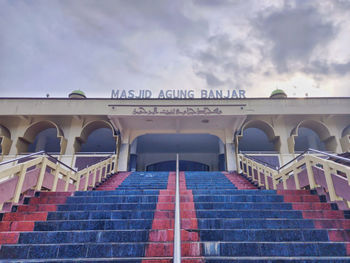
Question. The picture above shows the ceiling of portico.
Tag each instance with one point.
(177, 123)
(177, 143)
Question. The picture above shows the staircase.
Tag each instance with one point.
(238, 225)
(91, 226)
(130, 218)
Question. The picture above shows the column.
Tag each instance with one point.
(133, 156)
(123, 157)
(221, 156)
(124, 151)
(230, 157)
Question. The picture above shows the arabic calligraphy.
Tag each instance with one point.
(176, 111)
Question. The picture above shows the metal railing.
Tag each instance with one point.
(50, 175)
(177, 228)
(258, 160)
(308, 151)
(36, 154)
(307, 170)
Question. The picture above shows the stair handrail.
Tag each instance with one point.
(22, 157)
(64, 176)
(335, 174)
(310, 150)
(51, 156)
(35, 154)
(104, 163)
(258, 161)
(267, 171)
(177, 228)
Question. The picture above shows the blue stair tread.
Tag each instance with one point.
(111, 199)
(93, 225)
(94, 260)
(133, 235)
(102, 236)
(263, 235)
(239, 198)
(117, 192)
(108, 214)
(248, 214)
(101, 207)
(234, 192)
(91, 250)
(253, 223)
(287, 249)
(242, 205)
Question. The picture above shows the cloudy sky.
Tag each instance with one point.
(53, 47)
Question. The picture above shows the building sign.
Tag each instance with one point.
(187, 111)
(178, 94)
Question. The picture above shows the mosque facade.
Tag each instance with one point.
(209, 133)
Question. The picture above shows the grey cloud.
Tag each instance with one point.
(317, 67)
(219, 47)
(64, 45)
(211, 79)
(227, 57)
(294, 32)
(342, 4)
(213, 3)
(325, 68)
(60, 45)
(132, 16)
(207, 57)
(341, 68)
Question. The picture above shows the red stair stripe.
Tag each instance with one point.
(239, 181)
(190, 246)
(113, 182)
(162, 235)
(9, 238)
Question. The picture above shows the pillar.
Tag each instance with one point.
(41, 143)
(124, 151)
(221, 157)
(133, 156)
(230, 157)
(123, 157)
(71, 132)
(16, 132)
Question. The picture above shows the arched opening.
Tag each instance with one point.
(43, 135)
(345, 139)
(100, 140)
(258, 136)
(255, 140)
(158, 152)
(5, 140)
(45, 140)
(258, 139)
(346, 131)
(312, 134)
(96, 137)
(306, 139)
(183, 166)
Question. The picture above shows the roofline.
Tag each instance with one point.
(170, 99)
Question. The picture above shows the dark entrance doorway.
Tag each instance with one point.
(183, 166)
